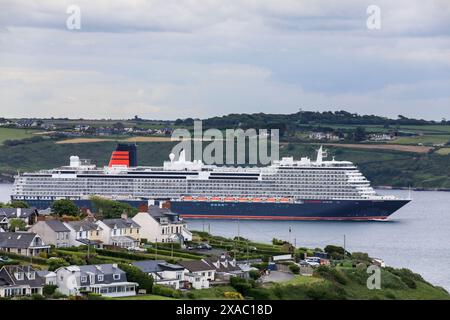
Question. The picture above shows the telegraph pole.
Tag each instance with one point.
(344, 248)
(156, 247)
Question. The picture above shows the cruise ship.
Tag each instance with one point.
(287, 189)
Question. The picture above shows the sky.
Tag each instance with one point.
(169, 59)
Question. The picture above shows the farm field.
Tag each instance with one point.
(425, 139)
(14, 134)
(394, 147)
(443, 151)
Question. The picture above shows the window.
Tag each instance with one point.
(100, 277)
(83, 279)
(19, 275)
(116, 276)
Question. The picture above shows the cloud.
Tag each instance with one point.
(173, 59)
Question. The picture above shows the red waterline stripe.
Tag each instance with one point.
(206, 216)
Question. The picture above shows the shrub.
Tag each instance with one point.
(294, 268)
(37, 296)
(49, 289)
(134, 274)
(254, 274)
(54, 264)
(331, 274)
(261, 266)
(242, 286)
(166, 291)
(233, 295)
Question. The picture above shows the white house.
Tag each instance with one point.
(123, 232)
(105, 279)
(162, 225)
(84, 232)
(48, 276)
(198, 273)
(163, 273)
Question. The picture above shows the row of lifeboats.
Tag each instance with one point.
(237, 199)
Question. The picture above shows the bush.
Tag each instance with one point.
(242, 286)
(37, 296)
(166, 291)
(54, 264)
(261, 266)
(331, 274)
(134, 274)
(49, 289)
(294, 268)
(233, 295)
(254, 274)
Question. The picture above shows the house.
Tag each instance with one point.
(24, 243)
(198, 273)
(53, 232)
(16, 280)
(123, 232)
(323, 136)
(105, 279)
(163, 273)
(28, 215)
(162, 225)
(225, 267)
(48, 276)
(84, 232)
(381, 137)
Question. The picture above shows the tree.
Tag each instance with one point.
(19, 204)
(134, 274)
(17, 224)
(360, 134)
(109, 209)
(65, 207)
(56, 263)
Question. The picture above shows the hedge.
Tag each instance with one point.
(16, 256)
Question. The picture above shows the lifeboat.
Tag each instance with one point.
(216, 199)
(271, 200)
(256, 200)
(202, 199)
(229, 199)
(243, 199)
(187, 198)
(284, 200)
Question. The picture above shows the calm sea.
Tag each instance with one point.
(416, 237)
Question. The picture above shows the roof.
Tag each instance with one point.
(56, 225)
(84, 224)
(224, 264)
(11, 213)
(196, 265)
(46, 273)
(8, 276)
(121, 223)
(152, 266)
(107, 270)
(21, 240)
(157, 213)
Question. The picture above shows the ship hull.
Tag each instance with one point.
(308, 210)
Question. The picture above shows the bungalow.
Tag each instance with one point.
(123, 232)
(28, 215)
(198, 273)
(164, 273)
(25, 243)
(16, 280)
(84, 232)
(53, 232)
(105, 279)
(162, 225)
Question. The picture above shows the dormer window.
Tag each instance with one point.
(100, 277)
(19, 275)
(116, 276)
(31, 275)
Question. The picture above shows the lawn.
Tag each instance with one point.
(302, 280)
(213, 293)
(14, 134)
(443, 151)
(425, 139)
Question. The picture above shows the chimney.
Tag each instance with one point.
(143, 207)
(124, 215)
(18, 212)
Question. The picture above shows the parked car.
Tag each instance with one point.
(4, 259)
(204, 246)
(313, 262)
